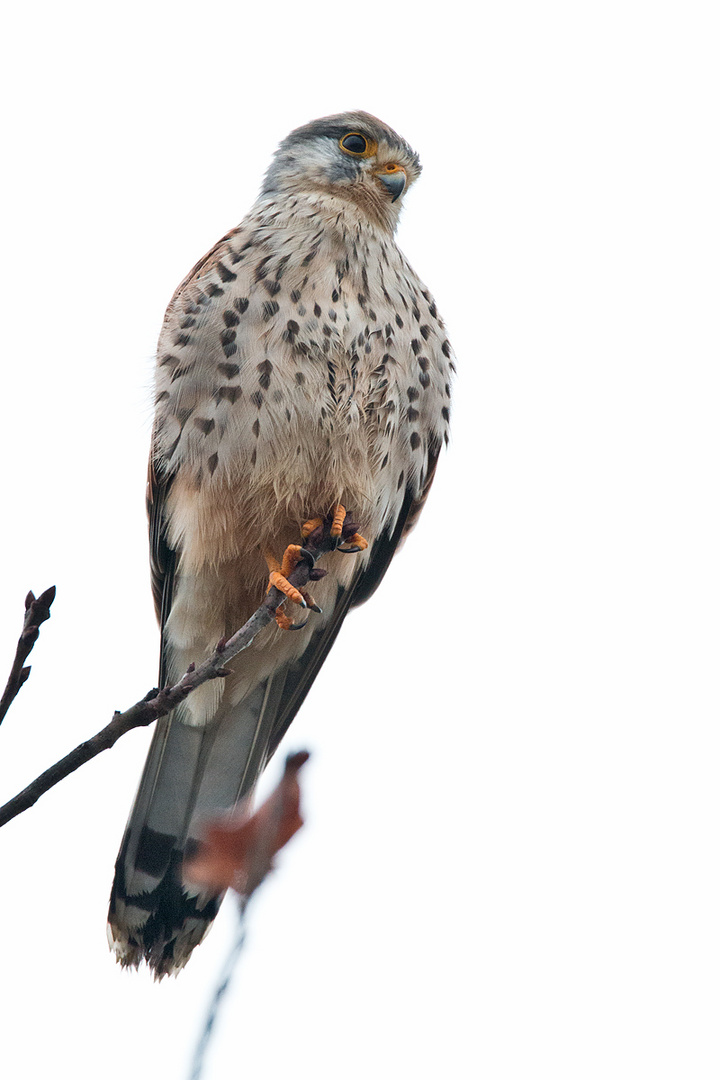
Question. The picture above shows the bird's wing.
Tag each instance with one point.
(392, 539)
(162, 556)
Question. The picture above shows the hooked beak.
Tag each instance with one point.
(394, 178)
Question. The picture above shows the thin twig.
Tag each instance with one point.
(245, 846)
(220, 990)
(160, 702)
(37, 611)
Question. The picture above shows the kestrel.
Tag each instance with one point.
(302, 368)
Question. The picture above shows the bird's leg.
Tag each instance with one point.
(279, 573)
(342, 530)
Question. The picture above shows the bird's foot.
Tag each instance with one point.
(279, 574)
(341, 529)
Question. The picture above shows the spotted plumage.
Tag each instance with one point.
(301, 364)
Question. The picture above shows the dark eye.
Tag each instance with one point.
(354, 143)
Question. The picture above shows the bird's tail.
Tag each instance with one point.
(191, 773)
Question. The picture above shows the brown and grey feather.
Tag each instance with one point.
(301, 364)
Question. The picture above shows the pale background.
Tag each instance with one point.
(510, 865)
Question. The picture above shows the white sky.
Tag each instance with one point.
(510, 865)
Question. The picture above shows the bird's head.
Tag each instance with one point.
(352, 156)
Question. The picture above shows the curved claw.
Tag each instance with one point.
(356, 542)
(310, 601)
(298, 626)
(307, 556)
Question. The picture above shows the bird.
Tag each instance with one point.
(303, 374)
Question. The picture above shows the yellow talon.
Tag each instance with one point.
(339, 515)
(357, 541)
(279, 573)
(311, 601)
(282, 620)
(310, 527)
(279, 581)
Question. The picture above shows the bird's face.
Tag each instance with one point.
(352, 156)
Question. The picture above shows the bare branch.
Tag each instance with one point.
(159, 703)
(37, 611)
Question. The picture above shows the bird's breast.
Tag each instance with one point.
(294, 371)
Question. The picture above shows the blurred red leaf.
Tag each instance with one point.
(238, 850)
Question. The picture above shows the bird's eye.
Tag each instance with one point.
(355, 143)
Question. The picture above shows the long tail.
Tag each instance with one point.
(193, 772)
(190, 773)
